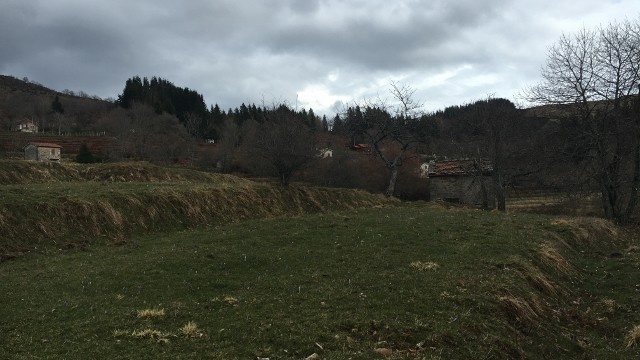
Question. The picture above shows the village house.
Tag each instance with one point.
(366, 148)
(26, 125)
(39, 151)
(464, 181)
(325, 153)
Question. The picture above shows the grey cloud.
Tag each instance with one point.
(423, 39)
(237, 52)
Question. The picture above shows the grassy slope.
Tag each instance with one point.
(338, 284)
(45, 206)
(14, 172)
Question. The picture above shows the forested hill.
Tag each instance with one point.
(27, 99)
(10, 84)
(163, 96)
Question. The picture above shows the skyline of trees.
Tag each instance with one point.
(590, 139)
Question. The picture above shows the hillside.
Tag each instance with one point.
(46, 206)
(404, 282)
(28, 100)
(11, 87)
(10, 84)
(14, 142)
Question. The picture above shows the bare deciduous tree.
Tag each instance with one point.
(495, 119)
(391, 136)
(193, 124)
(285, 142)
(597, 72)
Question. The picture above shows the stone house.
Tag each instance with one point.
(40, 151)
(464, 181)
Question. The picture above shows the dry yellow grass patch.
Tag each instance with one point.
(231, 300)
(119, 333)
(518, 309)
(535, 276)
(590, 230)
(551, 257)
(150, 333)
(190, 329)
(542, 283)
(538, 279)
(610, 305)
(384, 352)
(113, 215)
(633, 249)
(150, 313)
(633, 337)
(424, 265)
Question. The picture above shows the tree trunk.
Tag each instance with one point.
(633, 192)
(391, 189)
(497, 133)
(606, 199)
(499, 188)
(485, 195)
(284, 179)
(59, 123)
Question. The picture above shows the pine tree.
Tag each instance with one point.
(311, 119)
(84, 155)
(56, 106)
(164, 97)
(337, 127)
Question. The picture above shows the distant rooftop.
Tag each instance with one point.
(45, 144)
(463, 167)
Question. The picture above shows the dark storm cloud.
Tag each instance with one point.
(320, 51)
(384, 36)
(68, 49)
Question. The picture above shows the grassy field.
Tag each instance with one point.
(52, 206)
(411, 282)
(135, 261)
(541, 202)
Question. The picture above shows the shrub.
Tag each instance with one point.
(84, 155)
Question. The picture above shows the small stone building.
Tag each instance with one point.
(39, 151)
(465, 181)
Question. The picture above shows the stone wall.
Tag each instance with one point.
(476, 191)
(31, 152)
(39, 153)
(48, 154)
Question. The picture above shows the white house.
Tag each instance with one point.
(27, 125)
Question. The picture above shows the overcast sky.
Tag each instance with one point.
(316, 52)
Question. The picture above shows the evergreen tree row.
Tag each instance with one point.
(190, 109)
(163, 96)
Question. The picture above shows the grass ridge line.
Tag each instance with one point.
(73, 214)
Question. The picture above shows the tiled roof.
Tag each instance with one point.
(44, 144)
(464, 167)
(360, 147)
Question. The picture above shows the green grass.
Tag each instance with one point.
(337, 284)
(556, 204)
(33, 172)
(42, 216)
